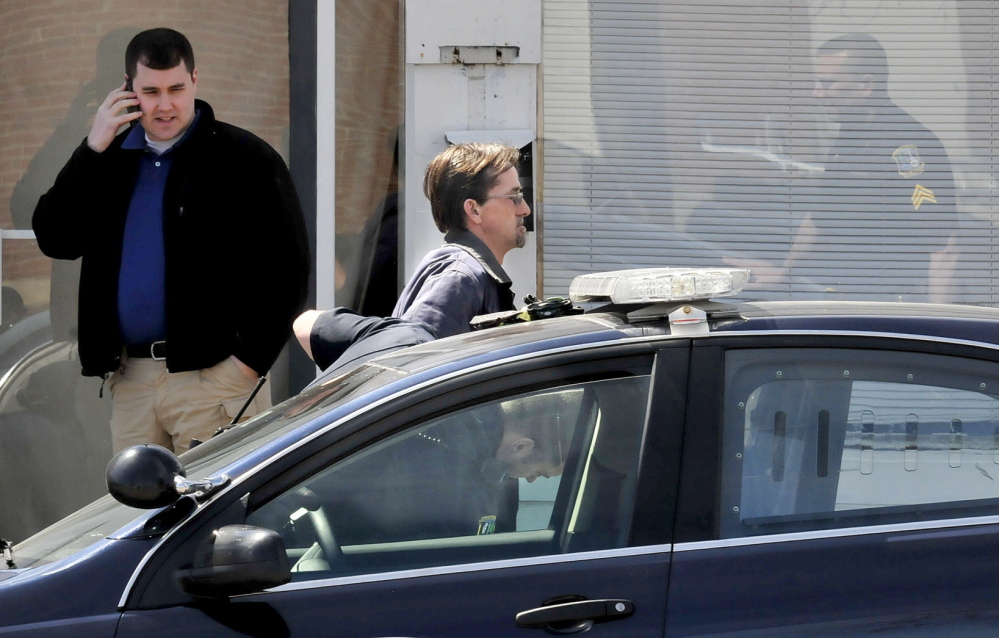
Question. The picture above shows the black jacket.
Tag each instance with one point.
(237, 257)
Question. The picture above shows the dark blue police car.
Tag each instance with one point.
(666, 466)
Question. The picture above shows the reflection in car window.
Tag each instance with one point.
(101, 519)
(461, 487)
(233, 444)
(816, 439)
(76, 532)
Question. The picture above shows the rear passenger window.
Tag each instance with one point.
(822, 438)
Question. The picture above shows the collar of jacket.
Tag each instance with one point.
(477, 248)
(206, 121)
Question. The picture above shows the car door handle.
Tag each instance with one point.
(576, 611)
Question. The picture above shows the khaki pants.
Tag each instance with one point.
(151, 405)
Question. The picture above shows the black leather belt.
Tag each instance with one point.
(155, 350)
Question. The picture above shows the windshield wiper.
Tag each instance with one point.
(7, 548)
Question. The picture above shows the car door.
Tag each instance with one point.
(522, 500)
(840, 486)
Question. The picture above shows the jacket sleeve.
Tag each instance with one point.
(447, 302)
(60, 221)
(279, 256)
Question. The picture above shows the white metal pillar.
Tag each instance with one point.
(471, 65)
(325, 154)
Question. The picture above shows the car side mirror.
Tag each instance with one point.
(144, 476)
(237, 559)
(149, 476)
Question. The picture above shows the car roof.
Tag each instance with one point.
(467, 350)
(949, 321)
(612, 323)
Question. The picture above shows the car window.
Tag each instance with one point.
(821, 438)
(548, 471)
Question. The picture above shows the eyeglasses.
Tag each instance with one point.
(827, 83)
(517, 198)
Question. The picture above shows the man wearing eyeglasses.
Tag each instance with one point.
(477, 202)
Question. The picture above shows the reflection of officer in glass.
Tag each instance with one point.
(883, 215)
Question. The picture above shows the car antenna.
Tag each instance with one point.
(235, 419)
(260, 383)
(8, 553)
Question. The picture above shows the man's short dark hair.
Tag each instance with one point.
(158, 49)
(864, 56)
(461, 172)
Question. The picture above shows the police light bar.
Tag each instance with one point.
(652, 285)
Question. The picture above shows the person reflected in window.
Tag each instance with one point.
(167, 217)
(378, 273)
(13, 308)
(883, 215)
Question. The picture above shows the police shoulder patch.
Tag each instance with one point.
(908, 161)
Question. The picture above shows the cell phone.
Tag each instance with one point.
(130, 109)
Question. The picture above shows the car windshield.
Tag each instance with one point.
(105, 517)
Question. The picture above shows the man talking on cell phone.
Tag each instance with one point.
(195, 258)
